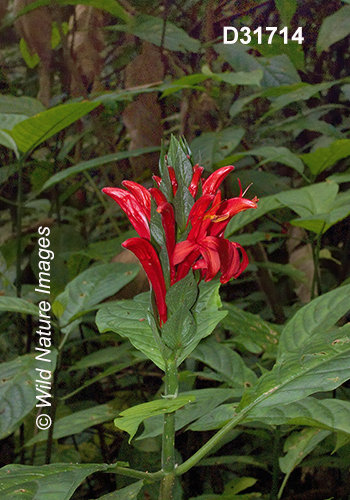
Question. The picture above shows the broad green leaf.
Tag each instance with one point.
(9, 120)
(215, 419)
(111, 6)
(79, 421)
(226, 362)
(30, 133)
(128, 493)
(266, 204)
(183, 292)
(298, 445)
(329, 414)
(206, 314)
(18, 395)
(240, 78)
(52, 482)
(301, 94)
(318, 205)
(321, 314)
(251, 331)
(292, 49)
(286, 9)
(150, 28)
(323, 158)
(179, 330)
(278, 70)
(20, 105)
(96, 162)
(205, 401)
(15, 304)
(212, 147)
(339, 178)
(278, 154)
(130, 419)
(91, 287)
(334, 28)
(186, 82)
(7, 141)
(128, 319)
(312, 357)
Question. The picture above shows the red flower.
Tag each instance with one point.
(136, 210)
(149, 259)
(205, 248)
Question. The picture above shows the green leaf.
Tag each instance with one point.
(14, 304)
(79, 421)
(329, 414)
(266, 204)
(111, 6)
(278, 154)
(7, 141)
(334, 28)
(91, 287)
(251, 331)
(277, 70)
(9, 120)
(52, 482)
(300, 94)
(323, 158)
(240, 77)
(96, 162)
(30, 133)
(212, 147)
(293, 50)
(226, 362)
(128, 319)
(31, 60)
(205, 401)
(17, 390)
(179, 330)
(128, 493)
(129, 420)
(150, 28)
(20, 105)
(298, 445)
(206, 315)
(318, 205)
(312, 357)
(286, 9)
(183, 292)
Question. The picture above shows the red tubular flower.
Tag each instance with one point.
(135, 212)
(211, 185)
(173, 179)
(141, 194)
(193, 187)
(205, 247)
(149, 259)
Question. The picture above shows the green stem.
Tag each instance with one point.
(316, 282)
(181, 469)
(168, 439)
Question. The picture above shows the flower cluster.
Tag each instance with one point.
(202, 246)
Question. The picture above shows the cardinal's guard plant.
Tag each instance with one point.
(181, 246)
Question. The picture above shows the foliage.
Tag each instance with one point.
(261, 403)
